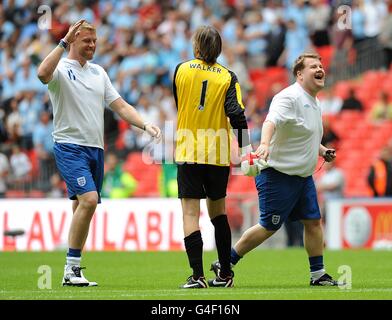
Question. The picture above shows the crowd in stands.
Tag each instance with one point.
(380, 174)
(139, 44)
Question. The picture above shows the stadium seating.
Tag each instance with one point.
(326, 53)
(264, 79)
(360, 139)
(342, 88)
(241, 184)
(36, 194)
(16, 194)
(256, 75)
(145, 172)
(262, 90)
(32, 154)
(234, 213)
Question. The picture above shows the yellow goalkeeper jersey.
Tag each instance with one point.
(206, 96)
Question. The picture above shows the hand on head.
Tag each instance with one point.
(71, 35)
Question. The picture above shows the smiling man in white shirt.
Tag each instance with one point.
(79, 91)
(291, 144)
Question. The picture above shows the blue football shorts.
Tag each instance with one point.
(283, 197)
(81, 167)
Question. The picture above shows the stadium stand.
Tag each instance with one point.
(140, 43)
(145, 172)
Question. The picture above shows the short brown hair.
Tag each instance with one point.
(207, 44)
(299, 63)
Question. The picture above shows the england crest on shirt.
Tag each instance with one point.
(94, 71)
(275, 219)
(81, 181)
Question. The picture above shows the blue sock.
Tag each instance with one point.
(74, 253)
(234, 257)
(316, 263)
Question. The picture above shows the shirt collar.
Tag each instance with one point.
(76, 63)
(307, 94)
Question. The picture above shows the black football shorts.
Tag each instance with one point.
(198, 181)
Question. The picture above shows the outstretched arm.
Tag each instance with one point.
(47, 67)
(266, 134)
(130, 115)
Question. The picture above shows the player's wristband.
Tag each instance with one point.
(63, 44)
(144, 126)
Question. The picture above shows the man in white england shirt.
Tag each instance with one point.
(291, 144)
(79, 91)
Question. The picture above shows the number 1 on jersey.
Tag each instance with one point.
(203, 95)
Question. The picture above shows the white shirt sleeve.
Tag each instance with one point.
(53, 83)
(111, 93)
(281, 110)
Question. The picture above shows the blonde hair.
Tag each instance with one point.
(88, 26)
(299, 63)
(207, 44)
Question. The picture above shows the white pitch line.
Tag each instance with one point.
(213, 293)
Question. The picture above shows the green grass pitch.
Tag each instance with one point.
(262, 274)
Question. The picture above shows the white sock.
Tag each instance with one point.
(317, 274)
(73, 261)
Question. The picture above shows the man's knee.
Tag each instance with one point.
(88, 201)
(216, 207)
(312, 225)
(190, 207)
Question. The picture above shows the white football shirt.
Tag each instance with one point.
(79, 95)
(294, 147)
